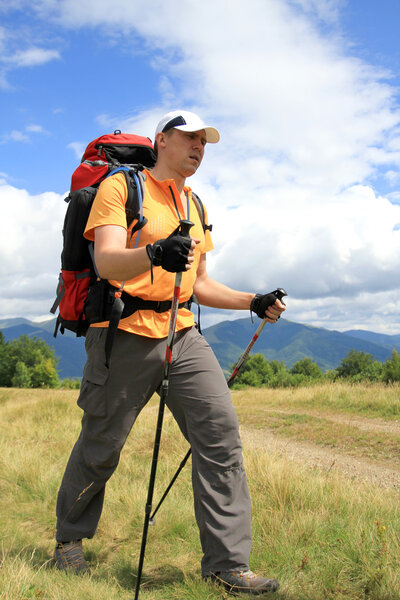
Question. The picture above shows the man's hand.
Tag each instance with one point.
(267, 306)
(174, 254)
(190, 259)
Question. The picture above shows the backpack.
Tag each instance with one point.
(82, 297)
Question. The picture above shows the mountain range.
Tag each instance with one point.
(286, 341)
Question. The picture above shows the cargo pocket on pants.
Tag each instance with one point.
(93, 395)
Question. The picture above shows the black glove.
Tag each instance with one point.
(261, 302)
(171, 253)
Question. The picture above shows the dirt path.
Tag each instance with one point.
(371, 471)
(359, 422)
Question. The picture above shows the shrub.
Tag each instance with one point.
(391, 368)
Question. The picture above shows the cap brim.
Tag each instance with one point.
(212, 134)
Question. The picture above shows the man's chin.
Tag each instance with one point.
(190, 170)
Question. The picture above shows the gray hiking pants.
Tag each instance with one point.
(199, 400)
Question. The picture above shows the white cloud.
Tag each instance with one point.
(78, 148)
(341, 245)
(34, 128)
(18, 48)
(30, 250)
(31, 57)
(15, 136)
(22, 136)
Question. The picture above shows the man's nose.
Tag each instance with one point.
(198, 143)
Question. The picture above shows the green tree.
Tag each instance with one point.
(255, 372)
(391, 368)
(44, 374)
(39, 360)
(358, 366)
(307, 367)
(31, 351)
(7, 368)
(70, 384)
(21, 377)
(280, 375)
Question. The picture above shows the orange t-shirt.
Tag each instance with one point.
(159, 209)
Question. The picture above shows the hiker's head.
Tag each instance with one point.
(183, 120)
(180, 137)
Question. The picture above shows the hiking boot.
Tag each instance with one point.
(69, 557)
(244, 582)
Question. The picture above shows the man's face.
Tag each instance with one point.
(184, 150)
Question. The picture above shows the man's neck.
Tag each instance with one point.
(161, 173)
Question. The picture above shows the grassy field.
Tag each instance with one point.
(322, 535)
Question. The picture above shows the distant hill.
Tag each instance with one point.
(69, 349)
(290, 342)
(286, 341)
(381, 339)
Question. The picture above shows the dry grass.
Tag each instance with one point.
(321, 536)
(369, 400)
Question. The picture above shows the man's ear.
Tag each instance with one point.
(161, 139)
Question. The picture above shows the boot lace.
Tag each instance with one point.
(247, 574)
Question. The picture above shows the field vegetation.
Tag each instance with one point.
(355, 367)
(27, 362)
(322, 534)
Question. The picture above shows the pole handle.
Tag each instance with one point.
(185, 227)
(280, 293)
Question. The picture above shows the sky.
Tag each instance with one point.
(303, 190)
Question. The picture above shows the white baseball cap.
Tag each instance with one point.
(186, 121)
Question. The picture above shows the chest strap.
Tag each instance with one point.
(134, 303)
(112, 305)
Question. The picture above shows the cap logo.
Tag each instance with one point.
(174, 123)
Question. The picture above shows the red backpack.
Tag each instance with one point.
(109, 151)
(103, 157)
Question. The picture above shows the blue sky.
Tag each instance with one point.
(305, 94)
(64, 96)
(372, 27)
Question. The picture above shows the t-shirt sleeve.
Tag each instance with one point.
(108, 206)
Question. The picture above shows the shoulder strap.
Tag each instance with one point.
(200, 210)
(134, 179)
(134, 204)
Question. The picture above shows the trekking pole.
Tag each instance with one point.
(279, 294)
(184, 230)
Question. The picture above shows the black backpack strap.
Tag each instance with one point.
(91, 252)
(134, 204)
(134, 303)
(108, 303)
(134, 180)
(59, 295)
(115, 317)
(200, 210)
(194, 300)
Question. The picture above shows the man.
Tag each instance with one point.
(198, 397)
